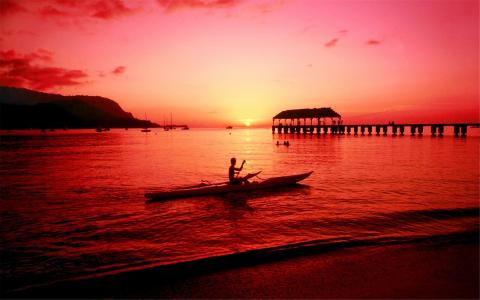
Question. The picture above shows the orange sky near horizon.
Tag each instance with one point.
(228, 62)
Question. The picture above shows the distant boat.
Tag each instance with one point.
(165, 127)
(185, 127)
(229, 127)
(146, 128)
(168, 127)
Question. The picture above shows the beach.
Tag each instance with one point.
(421, 270)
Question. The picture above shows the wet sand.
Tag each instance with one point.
(397, 271)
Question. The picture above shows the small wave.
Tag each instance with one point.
(264, 255)
(438, 214)
(408, 222)
(384, 222)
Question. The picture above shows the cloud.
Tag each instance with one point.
(110, 9)
(18, 32)
(97, 9)
(307, 29)
(41, 54)
(50, 11)
(67, 2)
(10, 7)
(332, 43)
(373, 42)
(268, 7)
(172, 5)
(22, 71)
(119, 70)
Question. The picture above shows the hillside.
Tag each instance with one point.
(22, 108)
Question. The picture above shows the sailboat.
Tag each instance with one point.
(168, 127)
(146, 128)
(165, 127)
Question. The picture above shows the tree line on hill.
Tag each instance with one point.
(27, 109)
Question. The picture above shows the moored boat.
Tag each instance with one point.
(146, 129)
(223, 188)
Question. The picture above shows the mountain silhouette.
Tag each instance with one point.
(22, 109)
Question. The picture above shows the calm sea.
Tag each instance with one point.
(72, 202)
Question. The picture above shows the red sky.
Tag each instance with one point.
(222, 62)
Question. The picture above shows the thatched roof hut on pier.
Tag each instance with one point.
(295, 116)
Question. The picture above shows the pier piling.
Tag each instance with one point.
(296, 125)
(420, 129)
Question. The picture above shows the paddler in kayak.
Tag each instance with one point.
(232, 171)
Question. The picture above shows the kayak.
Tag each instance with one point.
(223, 188)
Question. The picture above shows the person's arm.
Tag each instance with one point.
(241, 167)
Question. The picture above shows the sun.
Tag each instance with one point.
(247, 122)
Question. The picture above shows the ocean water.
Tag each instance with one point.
(72, 202)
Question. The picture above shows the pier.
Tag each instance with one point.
(327, 121)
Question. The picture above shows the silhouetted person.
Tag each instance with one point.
(232, 171)
(278, 143)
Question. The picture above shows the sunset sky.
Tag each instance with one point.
(229, 62)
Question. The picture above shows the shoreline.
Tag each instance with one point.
(419, 270)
